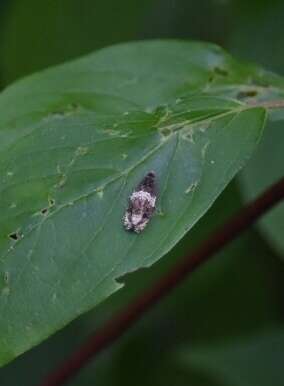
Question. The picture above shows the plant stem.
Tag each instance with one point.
(123, 320)
(275, 104)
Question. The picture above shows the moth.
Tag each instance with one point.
(141, 205)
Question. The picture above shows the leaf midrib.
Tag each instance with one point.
(120, 175)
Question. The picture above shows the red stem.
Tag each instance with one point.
(123, 320)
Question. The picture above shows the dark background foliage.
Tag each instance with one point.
(233, 306)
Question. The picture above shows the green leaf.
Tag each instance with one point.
(253, 361)
(74, 142)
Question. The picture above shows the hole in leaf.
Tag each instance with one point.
(14, 236)
(165, 131)
(221, 71)
(6, 277)
(44, 211)
(247, 94)
(51, 202)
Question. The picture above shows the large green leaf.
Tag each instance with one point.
(74, 142)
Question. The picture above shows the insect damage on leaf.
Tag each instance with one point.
(141, 204)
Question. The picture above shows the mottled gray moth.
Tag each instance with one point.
(141, 205)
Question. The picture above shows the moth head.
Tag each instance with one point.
(151, 174)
